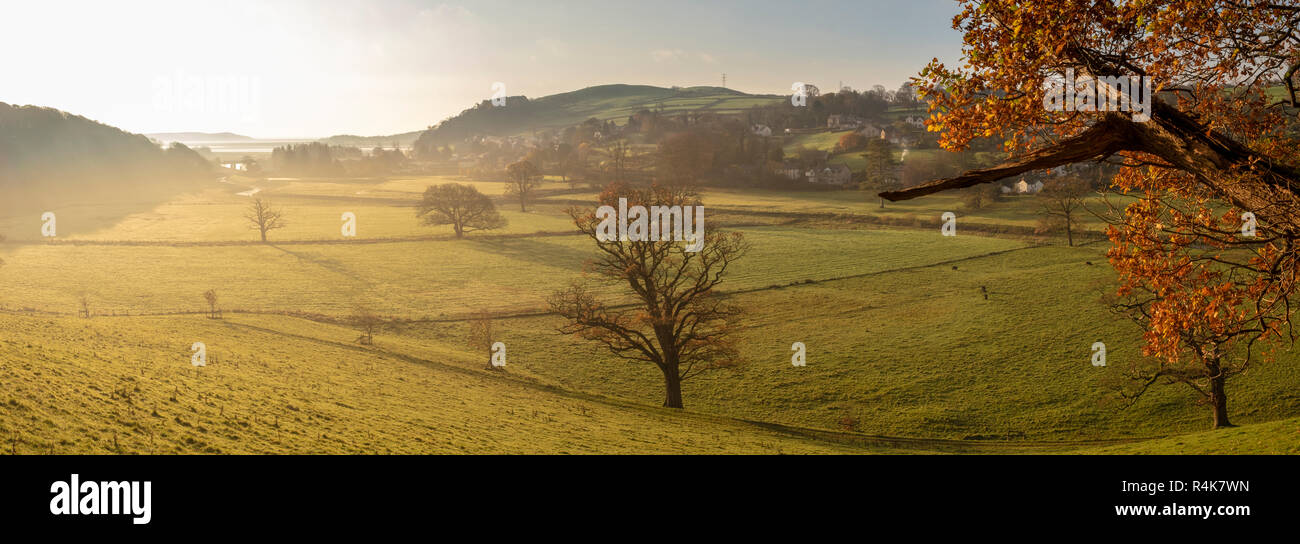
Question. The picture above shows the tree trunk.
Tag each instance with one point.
(1069, 234)
(672, 387)
(263, 231)
(1218, 398)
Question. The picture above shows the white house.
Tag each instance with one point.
(835, 174)
(840, 121)
(761, 130)
(915, 120)
(790, 171)
(1023, 187)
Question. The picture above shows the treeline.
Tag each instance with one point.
(316, 159)
(870, 105)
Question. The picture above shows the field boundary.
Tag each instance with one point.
(927, 445)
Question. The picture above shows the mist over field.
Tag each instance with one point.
(381, 231)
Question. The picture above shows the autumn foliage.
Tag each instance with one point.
(1223, 141)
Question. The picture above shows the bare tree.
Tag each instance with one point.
(83, 302)
(365, 320)
(210, 296)
(619, 154)
(1062, 200)
(679, 323)
(524, 180)
(264, 217)
(482, 334)
(980, 197)
(461, 206)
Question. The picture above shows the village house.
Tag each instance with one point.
(790, 170)
(843, 122)
(1023, 187)
(761, 130)
(835, 174)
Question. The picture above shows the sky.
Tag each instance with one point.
(315, 68)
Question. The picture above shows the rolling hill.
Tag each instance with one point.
(522, 115)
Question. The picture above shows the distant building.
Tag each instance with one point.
(791, 171)
(835, 174)
(761, 130)
(842, 122)
(1025, 188)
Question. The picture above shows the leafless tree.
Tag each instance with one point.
(1062, 200)
(365, 320)
(482, 334)
(264, 217)
(210, 296)
(83, 301)
(679, 323)
(524, 180)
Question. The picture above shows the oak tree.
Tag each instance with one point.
(678, 322)
(1218, 138)
(461, 206)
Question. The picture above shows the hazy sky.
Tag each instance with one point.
(271, 68)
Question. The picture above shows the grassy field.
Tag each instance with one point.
(901, 342)
(126, 385)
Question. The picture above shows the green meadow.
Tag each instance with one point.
(905, 353)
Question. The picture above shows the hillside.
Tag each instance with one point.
(127, 385)
(522, 115)
(51, 157)
(956, 373)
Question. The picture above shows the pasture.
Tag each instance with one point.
(901, 341)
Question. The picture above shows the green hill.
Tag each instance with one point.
(522, 115)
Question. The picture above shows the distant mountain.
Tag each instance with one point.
(209, 137)
(404, 139)
(521, 115)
